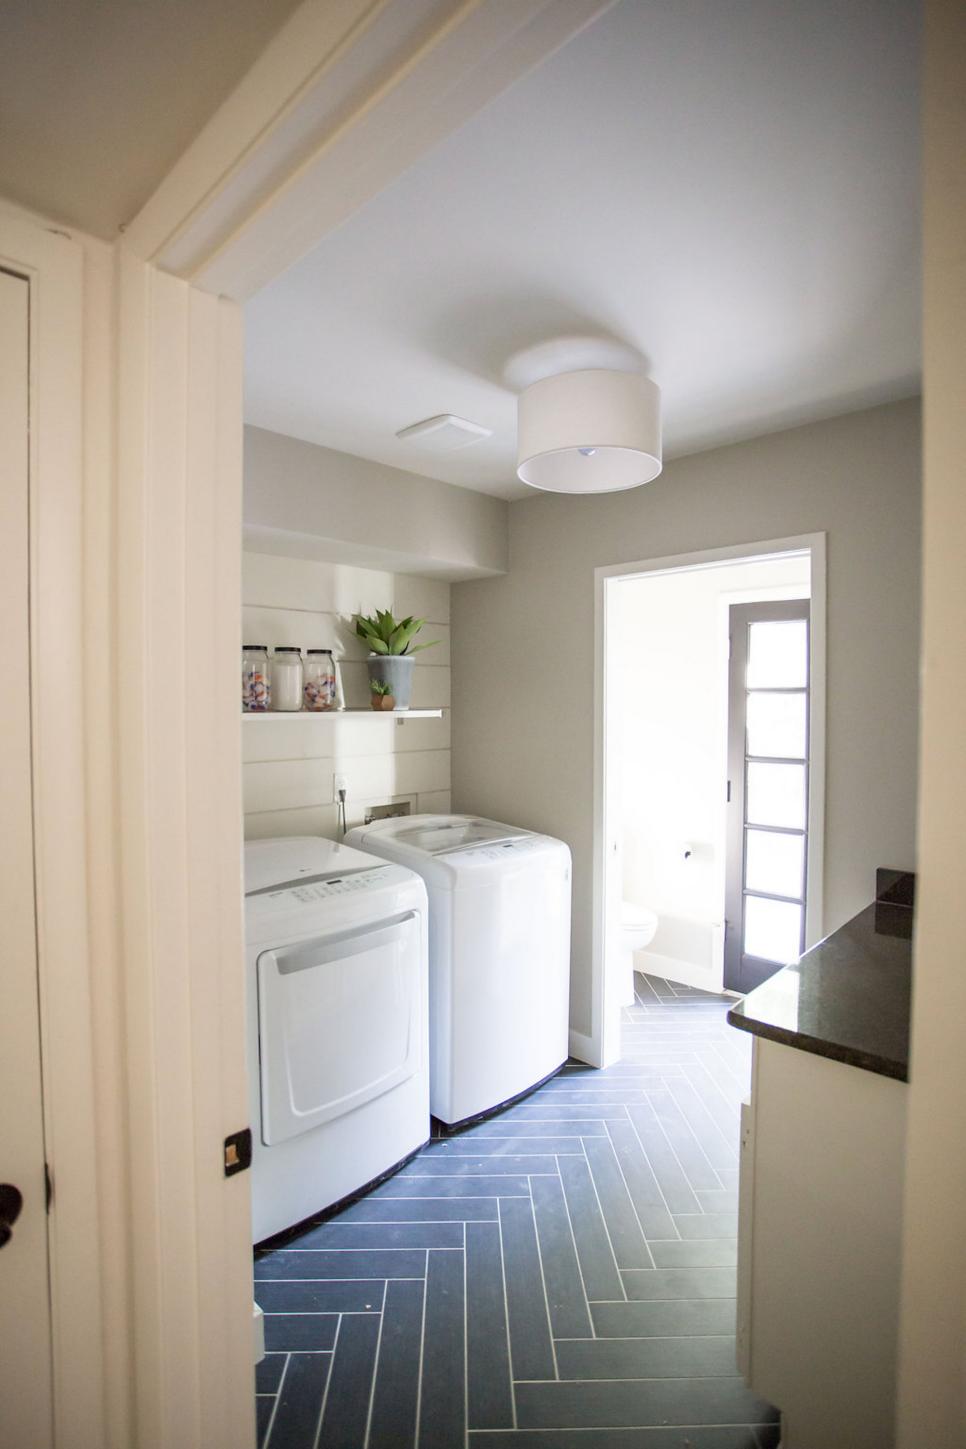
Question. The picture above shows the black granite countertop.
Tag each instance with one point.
(848, 998)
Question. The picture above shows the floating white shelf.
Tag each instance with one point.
(278, 714)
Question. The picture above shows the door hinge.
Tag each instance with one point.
(728, 795)
(48, 1186)
(238, 1151)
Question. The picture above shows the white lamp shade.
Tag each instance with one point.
(589, 432)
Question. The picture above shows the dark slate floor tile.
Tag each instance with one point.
(489, 1390)
(269, 1370)
(689, 1438)
(721, 1149)
(688, 1150)
(569, 1315)
(342, 1263)
(453, 1186)
(395, 1394)
(308, 1332)
(720, 1093)
(623, 1225)
(300, 1401)
(660, 1318)
(383, 1235)
(718, 1200)
(293, 1295)
(422, 1210)
(597, 1263)
(707, 1224)
(706, 1253)
(645, 1191)
(565, 1126)
(531, 1352)
(442, 1413)
(638, 1402)
(449, 1164)
(489, 1147)
(264, 1409)
(676, 1190)
(647, 1358)
(681, 1283)
(536, 1109)
(350, 1386)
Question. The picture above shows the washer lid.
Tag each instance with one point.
(444, 834)
(289, 860)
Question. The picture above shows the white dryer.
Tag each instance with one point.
(336, 947)
(499, 953)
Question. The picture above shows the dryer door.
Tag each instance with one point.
(339, 1023)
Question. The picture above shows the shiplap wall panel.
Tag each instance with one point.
(296, 583)
(341, 737)
(289, 765)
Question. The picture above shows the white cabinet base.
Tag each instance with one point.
(819, 1243)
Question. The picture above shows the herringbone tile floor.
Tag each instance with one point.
(559, 1277)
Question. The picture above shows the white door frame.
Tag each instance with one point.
(139, 425)
(602, 1047)
(53, 267)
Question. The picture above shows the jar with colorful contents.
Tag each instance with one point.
(320, 689)
(256, 689)
(287, 678)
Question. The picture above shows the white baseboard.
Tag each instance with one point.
(671, 968)
(583, 1048)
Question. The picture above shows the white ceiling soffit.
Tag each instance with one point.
(347, 95)
(727, 188)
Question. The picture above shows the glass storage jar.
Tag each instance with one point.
(319, 692)
(256, 688)
(287, 678)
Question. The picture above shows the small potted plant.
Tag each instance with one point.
(380, 695)
(391, 651)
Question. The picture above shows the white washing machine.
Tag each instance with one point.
(499, 953)
(336, 949)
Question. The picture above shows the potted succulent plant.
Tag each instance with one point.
(391, 651)
(380, 695)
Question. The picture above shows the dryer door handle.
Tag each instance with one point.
(341, 944)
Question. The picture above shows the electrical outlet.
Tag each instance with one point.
(339, 782)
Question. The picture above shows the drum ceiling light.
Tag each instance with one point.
(592, 431)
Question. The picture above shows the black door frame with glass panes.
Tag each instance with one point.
(766, 875)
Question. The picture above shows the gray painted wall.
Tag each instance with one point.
(523, 644)
(303, 501)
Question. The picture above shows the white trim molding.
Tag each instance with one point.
(347, 95)
(54, 268)
(179, 754)
(604, 1039)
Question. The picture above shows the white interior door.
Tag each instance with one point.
(25, 1346)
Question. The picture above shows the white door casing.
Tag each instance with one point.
(25, 1359)
(137, 811)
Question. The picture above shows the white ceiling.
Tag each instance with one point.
(729, 186)
(98, 98)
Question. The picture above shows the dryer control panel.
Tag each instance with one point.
(338, 886)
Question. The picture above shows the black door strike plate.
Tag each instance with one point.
(238, 1151)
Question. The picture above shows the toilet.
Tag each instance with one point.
(638, 925)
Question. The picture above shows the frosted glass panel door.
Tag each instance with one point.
(767, 790)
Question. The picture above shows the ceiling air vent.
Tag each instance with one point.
(444, 434)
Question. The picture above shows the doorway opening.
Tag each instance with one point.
(710, 771)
